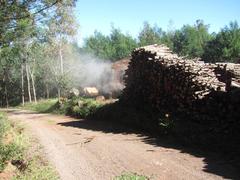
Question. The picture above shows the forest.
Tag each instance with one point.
(39, 51)
(162, 104)
(193, 41)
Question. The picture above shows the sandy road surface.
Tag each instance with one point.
(86, 150)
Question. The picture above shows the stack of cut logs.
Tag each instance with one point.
(234, 70)
(160, 79)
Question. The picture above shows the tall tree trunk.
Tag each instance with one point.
(61, 57)
(61, 67)
(28, 84)
(47, 90)
(6, 95)
(5, 79)
(33, 84)
(22, 84)
(59, 93)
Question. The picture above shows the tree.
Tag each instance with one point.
(167, 39)
(12, 12)
(150, 35)
(7, 62)
(61, 29)
(225, 46)
(14, 22)
(122, 44)
(113, 47)
(23, 35)
(191, 40)
(99, 45)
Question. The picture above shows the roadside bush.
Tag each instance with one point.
(4, 126)
(166, 124)
(79, 107)
(4, 151)
(7, 153)
(37, 170)
(11, 150)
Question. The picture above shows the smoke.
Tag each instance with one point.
(88, 71)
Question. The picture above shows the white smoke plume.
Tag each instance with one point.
(88, 71)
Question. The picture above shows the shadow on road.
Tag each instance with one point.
(216, 162)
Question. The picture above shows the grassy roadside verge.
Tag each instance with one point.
(131, 176)
(20, 156)
(42, 106)
(79, 107)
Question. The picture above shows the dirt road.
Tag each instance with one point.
(81, 149)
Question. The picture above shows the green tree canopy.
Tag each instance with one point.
(150, 35)
(191, 40)
(224, 46)
(113, 47)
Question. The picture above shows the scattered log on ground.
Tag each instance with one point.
(90, 91)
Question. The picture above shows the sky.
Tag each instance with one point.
(129, 15)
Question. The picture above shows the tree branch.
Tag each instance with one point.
(37, 12)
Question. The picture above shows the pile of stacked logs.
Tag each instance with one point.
(162, 80)
(233, 69)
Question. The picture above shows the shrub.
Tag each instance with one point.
(9, 150)
(79, 107)
(7, 153)
(4, 126)
(36, 171)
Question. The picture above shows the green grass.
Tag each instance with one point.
(42, 106)
(79, 107)
(36, 170)
(50, 121)
(11, 142)
(131, 176)
(4, 126)
(15, 145)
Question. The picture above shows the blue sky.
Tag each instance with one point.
(129, 15)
